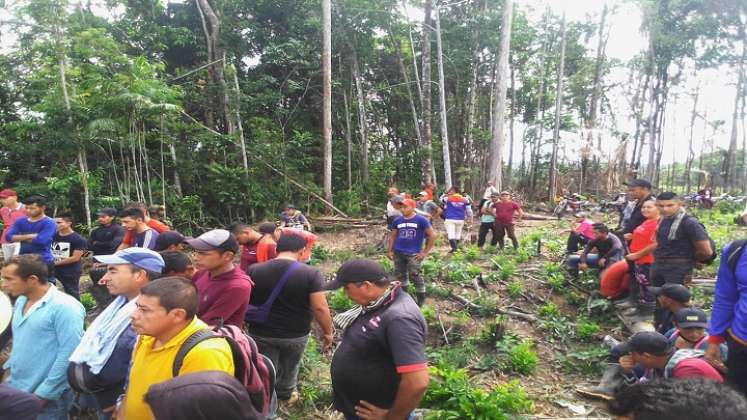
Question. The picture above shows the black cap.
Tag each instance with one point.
(691, 318)
(168, 238)
(647, 342)
(638, 183)
(357, 271)
(107, 211)
(673, 291)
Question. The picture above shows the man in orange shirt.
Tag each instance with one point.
(256, 245)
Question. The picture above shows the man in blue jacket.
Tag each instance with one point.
(729, 316)
(35, 232)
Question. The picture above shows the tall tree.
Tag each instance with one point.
(731, 162)
(442, 102)
(327, 97)
(496, 144)
(427, 136)
(558, 111)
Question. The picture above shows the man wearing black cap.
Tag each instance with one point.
(654, 352)
(670, 297)
(639, 190)
(380, 369)
(170, 240)
(689, 330)
(223, 287)
(106, 238)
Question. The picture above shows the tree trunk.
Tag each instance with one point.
(496, 144)
(211, 25)
(442, 102)
(540, 113)
(406, 78)
(327, 97)
(239, 125)
(362, 120)
(348, 138)
(510, 166)
(428, 169)
(558, 111)
(690, 152)
(731, 163)
(596, 92)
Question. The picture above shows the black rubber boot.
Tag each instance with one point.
(611, 381)
(420, 298)
(453, 244)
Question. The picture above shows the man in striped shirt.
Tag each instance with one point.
(133, 220)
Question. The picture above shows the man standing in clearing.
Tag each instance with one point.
(47, 326)
(35, 232)
(406, 246)
(379, 370)
(640, 191)
(130, 235)
(11, 211)
(143, 236)
(68, 248)
(307, 236)
(487, 221)
(224, 288)
(504, 218)
(289, 293)
(165, 319)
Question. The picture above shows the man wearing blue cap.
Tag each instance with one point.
(99, 365)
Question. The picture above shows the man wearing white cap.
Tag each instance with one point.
(99, 365)
(224, 288)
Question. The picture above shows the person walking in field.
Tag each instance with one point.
(504, 210)
(456, 210)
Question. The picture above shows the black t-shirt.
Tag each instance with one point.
(689, 232)
(636, 217)
(290, 315)
(63, 247)
(376, 348)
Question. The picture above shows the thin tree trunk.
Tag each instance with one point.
(496, 145)
(348, 138)
(539, 115)
(558, 110)
(327, 97)
(211, 25)
(428, 168)
(362, 120)
(239, 125)
(510, 166)
(591, 121)
(731, 168)
(442, 101)
(406, 78)
(690, 152)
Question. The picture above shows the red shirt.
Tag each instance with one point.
(225, 296)
(154, 224)
(643, 236)
(504, 212)
(9, 217)
(696, 367)
(309, 237)
(262, 250)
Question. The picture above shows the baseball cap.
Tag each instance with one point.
(674, 291)
(139, 257)
(691, 318)
(216, 239)
(423, 194)
(168, 238)
(647, 342)
(8, 193)
(409, 202)
(397, 199)
(357, 271)
(107, 211)
(638, 183)
(290, 206)
(6, 312)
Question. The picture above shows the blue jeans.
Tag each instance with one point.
(591, 260)
(58, 409)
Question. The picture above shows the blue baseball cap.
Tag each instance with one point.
(139, 257)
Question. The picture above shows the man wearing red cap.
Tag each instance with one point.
(11, 211)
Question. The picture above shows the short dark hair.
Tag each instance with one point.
(132, 212)
(267, 228)
(136, 205)
(174, 293)
(236, 227)
(37, 199)
(600, 227)
(292, 243)
(175, 261)
(667, 195)
(66, 217)
(28, 265)
(675, 399)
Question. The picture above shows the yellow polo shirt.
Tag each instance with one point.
(151, 366)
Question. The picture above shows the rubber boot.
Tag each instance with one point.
(420, 298)
(611, 381)
(453, 244)
(642, 312)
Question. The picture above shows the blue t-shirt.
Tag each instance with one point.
(45, 229)
(64, 247)
(410, 233)
(146, 239)
(456, 209)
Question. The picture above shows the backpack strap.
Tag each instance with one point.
(280, 284)
(196, 338)
(735, 253)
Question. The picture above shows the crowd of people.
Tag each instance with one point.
(215, 326)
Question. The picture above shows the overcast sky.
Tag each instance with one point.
(625, 41)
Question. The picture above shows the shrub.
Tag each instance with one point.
(586, 329)
(429, 313)
(508, 270)
(549, 310)
(339, 301)
(588, 361)
(88, 301)
(522, 358)
(515, 289)
(471, 253)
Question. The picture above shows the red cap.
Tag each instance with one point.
(8, 193)
(409, 202)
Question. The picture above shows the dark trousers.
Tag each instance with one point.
(483, 234)
(737, 365)
(70, 283)
(678, 271)
(504, 229)
(575, 242)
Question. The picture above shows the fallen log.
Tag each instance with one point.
(466, 302)
(533, 216)
(526, 317)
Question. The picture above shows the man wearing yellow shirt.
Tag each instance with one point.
(165, 319)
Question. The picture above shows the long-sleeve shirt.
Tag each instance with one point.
(610, 249)
(105, 239)
(44, 228)
(43, 340)
(9, 218)
(730, 301)
(225, 296)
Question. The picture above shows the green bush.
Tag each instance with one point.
(522, 358)
(586, 329)
(586, 361)
(429, 313)
(88, 301)
(451, 395)
(508, 270)
(515, 289)
(472, 253)
(339, 301)
(549, 310)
